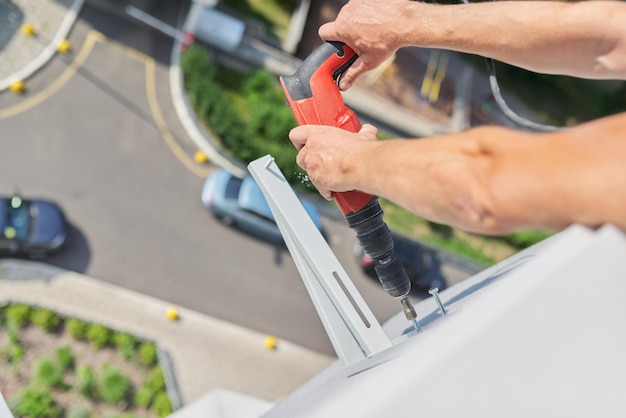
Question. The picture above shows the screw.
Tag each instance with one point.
(435, 293)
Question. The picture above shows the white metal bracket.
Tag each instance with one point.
(354, 331)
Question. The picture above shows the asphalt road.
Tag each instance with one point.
(93, 144)
(96, 132)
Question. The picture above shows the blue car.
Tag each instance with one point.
(239, 202)
(32, 228)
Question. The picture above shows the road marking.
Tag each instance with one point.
(433, 57)
(93, 37)
(442, 66)
(162, 126)
(56, 85)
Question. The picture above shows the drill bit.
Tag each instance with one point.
(409, 312)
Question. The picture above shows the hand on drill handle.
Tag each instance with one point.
(489, 179)
(581, 39)
(371, 29)
(325, 162)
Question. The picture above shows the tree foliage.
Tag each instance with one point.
(251, 128)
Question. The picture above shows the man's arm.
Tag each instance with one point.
(490, 180)
(582, 39)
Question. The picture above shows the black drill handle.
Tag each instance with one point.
(324, 65)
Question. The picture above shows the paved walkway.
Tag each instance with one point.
(21, 55)
(206, 353)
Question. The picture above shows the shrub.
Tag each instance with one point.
(13, 353)
(49, 375)
(19, 314)
(77, 328)
(99, 335)
(156, 380)
(86, 379)
(144, 396)
(114, 385)
(45, 319)
(13, 329)
(36, 402)
(195, 65)
(64, 357)
(148, 354)
(154, 384)
(162, 405)
(524, 239)
(126, 343)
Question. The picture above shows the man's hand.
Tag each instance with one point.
(372, 28)
(325, 152)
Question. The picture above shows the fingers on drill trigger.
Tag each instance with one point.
(298, 136)
(369, 130)
(358, 67)
(327, 32)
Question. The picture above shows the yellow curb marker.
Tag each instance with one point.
(28, 29)
(270, 342)
(172, 313)
(17, 87)
(64, 46)
(200, 157)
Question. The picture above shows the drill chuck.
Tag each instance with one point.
(376, 240)
(392, 276)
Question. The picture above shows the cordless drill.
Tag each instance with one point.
(314, 97)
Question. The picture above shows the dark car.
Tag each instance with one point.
(239, 202)
(32, 228)
(422, 264)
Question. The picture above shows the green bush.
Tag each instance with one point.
(77, 328)
(161, 404)
(13, 328)
(45, 319)
(114, 386)
(13, 353)
(156, 379)
(195, 65)
(49, 375)
(87, 382)
(126, 343)
(99, 335)
(35, 402)
(148, 354)
(250, 131)
(19, 314)
(144, 396)
(64, 357)
(154, 383)
(525, 239)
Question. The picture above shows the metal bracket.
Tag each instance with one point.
(354, 331)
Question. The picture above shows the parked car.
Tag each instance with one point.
(239, 202)
(31, 227)
(422, 264)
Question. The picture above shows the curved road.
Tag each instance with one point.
(96, 132)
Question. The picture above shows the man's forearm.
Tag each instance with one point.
(494, 180)
(584, 39)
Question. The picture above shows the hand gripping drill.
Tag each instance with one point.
(314, 97)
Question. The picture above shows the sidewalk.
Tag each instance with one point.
(206, 354)
(21, 55)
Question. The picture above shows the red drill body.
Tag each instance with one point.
(314, 97)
